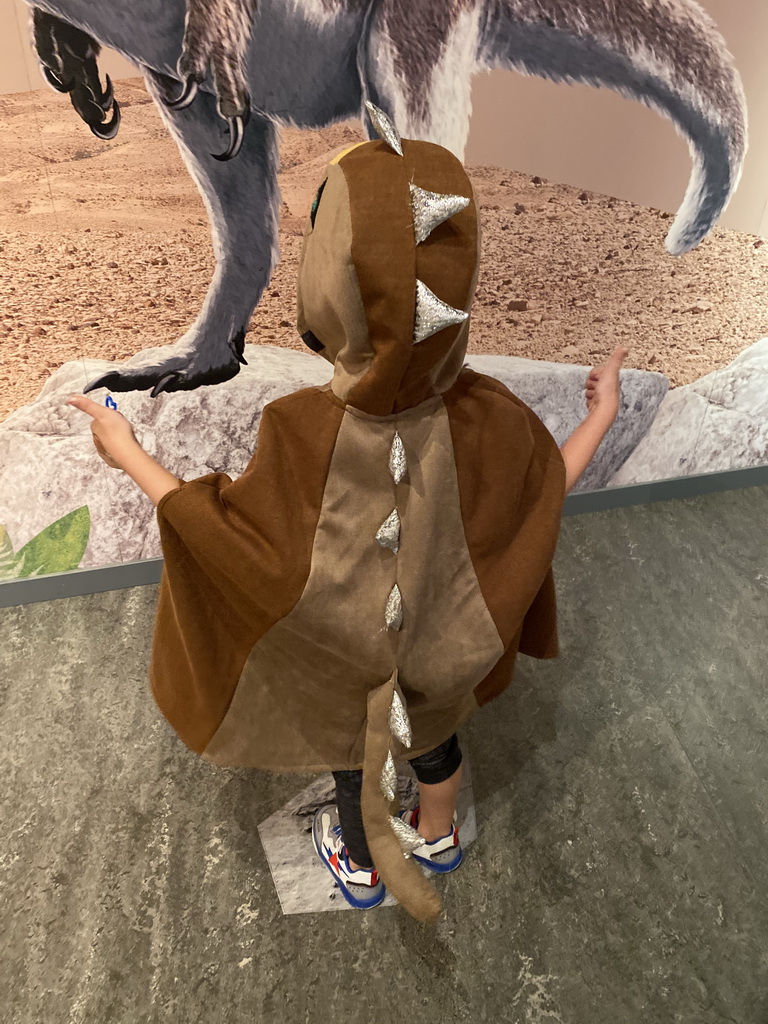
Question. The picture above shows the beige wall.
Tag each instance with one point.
(19, 70)
(577, 135)
(597, 140)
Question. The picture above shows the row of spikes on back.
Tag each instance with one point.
(430, 209)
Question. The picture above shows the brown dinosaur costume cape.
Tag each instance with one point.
(389, 547)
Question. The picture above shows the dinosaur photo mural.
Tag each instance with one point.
(227, 76)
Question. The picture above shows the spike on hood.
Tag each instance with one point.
(359, 269)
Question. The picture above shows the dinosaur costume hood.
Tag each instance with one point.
(369, 580)
(367, 287)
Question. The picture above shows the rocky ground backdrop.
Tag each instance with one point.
(104, 251)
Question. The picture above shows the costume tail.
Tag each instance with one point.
(68, 61)
(668, 54)
(390, 840)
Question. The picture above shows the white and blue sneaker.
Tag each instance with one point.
(362, 889)
(441, 855)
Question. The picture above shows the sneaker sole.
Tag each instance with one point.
(357, 904)
(440, 869)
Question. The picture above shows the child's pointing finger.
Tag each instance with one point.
(112, 433)
(87, 405)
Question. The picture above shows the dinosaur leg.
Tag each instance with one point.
(216, 39)
(244, 203)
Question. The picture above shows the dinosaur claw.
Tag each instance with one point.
(164, 382)
(188, 92)
(107, 380)
(107, 96)
(236, 134)
(237, 345)
(53, 80)
(107, 129)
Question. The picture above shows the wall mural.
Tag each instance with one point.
(105, 251)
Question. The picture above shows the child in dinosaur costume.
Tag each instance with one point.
(369, 580)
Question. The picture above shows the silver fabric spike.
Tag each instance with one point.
(432, 314)
(389, 532)
(397, 464)
(430, 209)
(385, 128)
(399, 723)
(394, 610)
(389, 778)
(410, 839)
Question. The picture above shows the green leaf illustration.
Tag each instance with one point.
(7, 557)
(57, 548)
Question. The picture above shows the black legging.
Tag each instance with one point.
(436, 766)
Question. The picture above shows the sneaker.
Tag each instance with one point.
(441, 855)
(361, 889)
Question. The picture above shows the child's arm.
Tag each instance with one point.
(602, 392)
(579, 450)
(117, 445)
(150, 476)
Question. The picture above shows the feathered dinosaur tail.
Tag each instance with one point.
(68, 61)
(668, 54)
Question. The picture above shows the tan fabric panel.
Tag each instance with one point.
(448, 641)
(296, 708)
(237, 556)
(302, 696)
(328, 294)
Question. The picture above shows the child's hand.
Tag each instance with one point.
(112, 433)
(603, 389)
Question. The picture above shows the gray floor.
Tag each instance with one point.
(621, 798)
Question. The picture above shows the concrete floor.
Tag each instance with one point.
(620, 872)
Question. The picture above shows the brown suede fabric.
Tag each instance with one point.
(237, 557)
(500, 676)
(512, 493)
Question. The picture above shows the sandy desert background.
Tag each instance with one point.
(104, 251)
